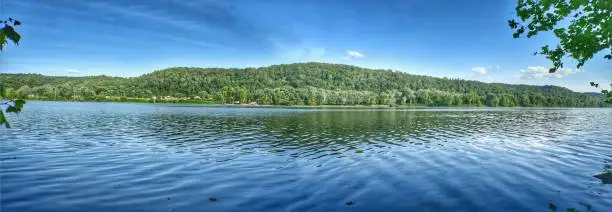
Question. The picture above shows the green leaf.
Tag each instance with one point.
(10, 33)
(2, 39)
(3, 120)
(19, 104)
(513, 24)
(12, 109)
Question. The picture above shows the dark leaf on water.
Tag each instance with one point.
(350, 203)
(3, 120)
(572, 210)
(212, 199)
(606, 178)
(552, 207)
(12, 109)
(587, 206)
(19, 104)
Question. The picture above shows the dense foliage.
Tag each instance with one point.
(291, 84)
(582, 26)
(7, 32)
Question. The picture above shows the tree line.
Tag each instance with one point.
(292, 84)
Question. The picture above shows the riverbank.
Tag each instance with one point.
(209, 103)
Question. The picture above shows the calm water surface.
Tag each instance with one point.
(139, 157)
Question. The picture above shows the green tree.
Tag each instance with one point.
(293, 84)
(583, 27)
(386, 98)
(588, 30)
(492, 100)
(525, 100)
(23, 92)
(607, 94)
(7, 32)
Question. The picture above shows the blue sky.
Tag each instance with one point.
(444, 38)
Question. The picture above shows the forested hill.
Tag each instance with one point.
(292, 84)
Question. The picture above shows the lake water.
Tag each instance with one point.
(142, 157)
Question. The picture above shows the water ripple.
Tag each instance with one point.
(139, 157)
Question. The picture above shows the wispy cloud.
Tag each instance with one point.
(72, 71)
(539, 72)
(352, 54)
(480, 70)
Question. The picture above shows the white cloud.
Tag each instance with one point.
(481, 70)
(497, 67)
(352, 54)
(539, 72)
(73, 71)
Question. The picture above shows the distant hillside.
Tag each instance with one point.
(294, 84)
(594, 94)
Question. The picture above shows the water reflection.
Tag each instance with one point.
(335, 132)
(130, 157)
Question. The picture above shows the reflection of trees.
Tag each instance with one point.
(329, 128)
(302, 133)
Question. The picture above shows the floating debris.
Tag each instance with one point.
(587, 206)
(552, 207)
(606, 178)
(212, 199)
(350, 203)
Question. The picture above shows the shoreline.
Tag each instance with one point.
(195, 104)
